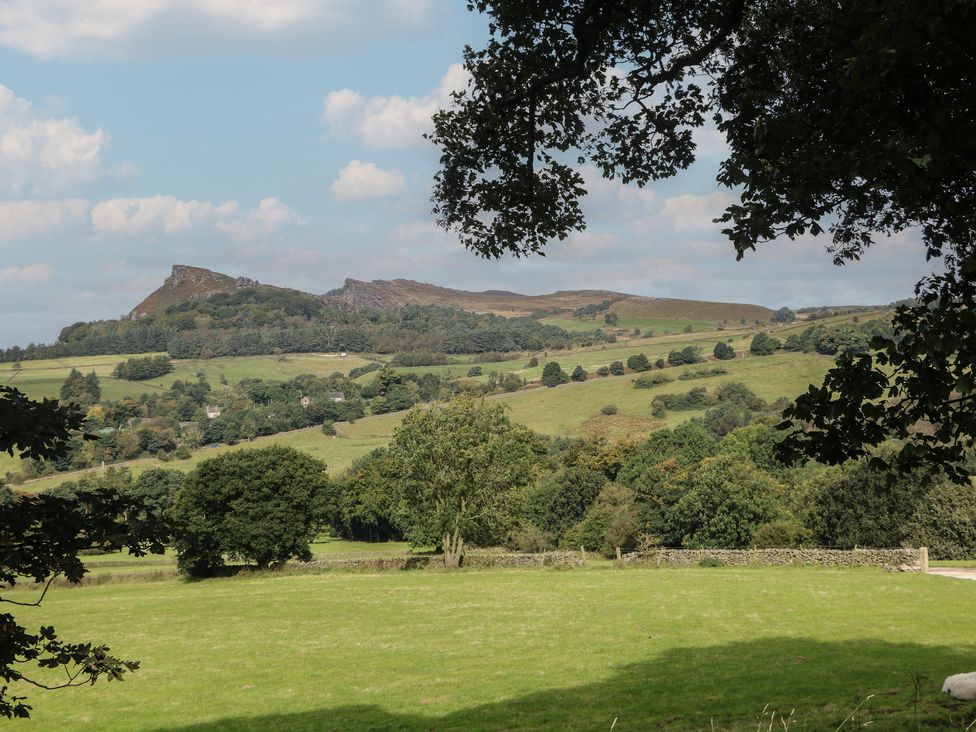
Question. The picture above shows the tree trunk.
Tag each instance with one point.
(453, 549)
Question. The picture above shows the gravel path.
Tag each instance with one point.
(958, 573)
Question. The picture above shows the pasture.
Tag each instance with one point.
(571, 409)
(524, 649)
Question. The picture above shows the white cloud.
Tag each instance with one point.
(170, 215)
(19, 219)
(358, 181)
(691, 212)
(390, 122)
(56, 28)
(586, 245)
(44, 153)
(32, 274)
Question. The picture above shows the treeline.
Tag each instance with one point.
(834, 339)
(264, 321)
(141, 369)
(706, 484)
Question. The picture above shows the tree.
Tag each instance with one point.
(82, 390)
(579, 374)
(638, 362)
(689, 354)
(553, 375)
(814, 141)
(611, 319)
(459, 468)
(251, 505)
(723, 351)
(40, 538)
(783, 315)
(617, 368)
(764, 344)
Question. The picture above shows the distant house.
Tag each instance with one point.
(212, 411)
(306, 401)
(337, 396)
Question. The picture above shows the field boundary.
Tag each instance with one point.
(547, 559)
(906, 559)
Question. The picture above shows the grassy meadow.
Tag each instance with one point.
(571, 409)
(524, 649)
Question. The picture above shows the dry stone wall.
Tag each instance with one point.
(548, 559)
(888, 558)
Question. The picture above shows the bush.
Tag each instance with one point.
(251, 505)
(945, 522)
(690, 354)
(638, 363)
(723, 351)
(529, 538)
(778, 534)
(329, 428)
(419, 358)
(697, 398)
(703, 373)
(553, 375)
(579, 374)
(646, 381)
(603, 371)
(609, 409)
(533, 362)
(617, 368)
(660, 363)
(764, 344)
(609, 523)
(474, 371)
(143, 367)
(711, 562)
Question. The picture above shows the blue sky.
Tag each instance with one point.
(281, 139)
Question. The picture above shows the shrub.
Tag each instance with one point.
(764, 344)
(529, 538)
(141, 368)
(617, 368)
(474, 371)
(609, 409)
(690, 354)
(660, 363)
(646, 381)
(638, 363)
(778, 534)
(697, 398)
(945, 522)
(419, 358)
(603, 371)
(703, 373)
(723, 351)
(579, 374)
(533, 362)
(553, 375)
(609, 523)
(711, 562)
(329, 428)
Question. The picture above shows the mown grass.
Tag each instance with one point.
(658, 326)
(636, 649)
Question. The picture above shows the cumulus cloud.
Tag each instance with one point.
(170, 215)
(25, 218)
(40, 153)
(54, 28)
(359, 181)
(32, 274)
(390, 122)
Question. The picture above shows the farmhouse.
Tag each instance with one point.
(306, 400)
(337, 396)
(212, 411)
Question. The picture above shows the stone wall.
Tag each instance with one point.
(548, 559)
(888, 558)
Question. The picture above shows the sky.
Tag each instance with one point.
(282, 140)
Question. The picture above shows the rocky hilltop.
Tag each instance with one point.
(190, 283)
(391, 294)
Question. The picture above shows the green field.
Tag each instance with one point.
(44, 378)
(674, 649)
(570, 409)
(658, 326)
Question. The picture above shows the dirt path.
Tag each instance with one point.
(957, 572)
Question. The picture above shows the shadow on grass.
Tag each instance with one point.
(724, 687)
